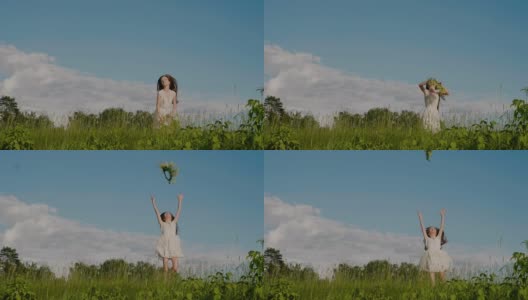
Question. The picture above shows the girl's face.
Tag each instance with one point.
(165, 81)
(432, 232)
(432, 88)
(167, 217)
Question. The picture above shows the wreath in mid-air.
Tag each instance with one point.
(170, 171)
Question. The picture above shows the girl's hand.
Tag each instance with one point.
(443, 212)
(180, 197)
(152, 198)
(419, 215)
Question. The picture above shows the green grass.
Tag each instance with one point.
(380, 129)
(121, 138)
(258, 129)
(480, 137)
(156, 287)
(319, 289)
(115, 129)
(117, 280)
(380, 279)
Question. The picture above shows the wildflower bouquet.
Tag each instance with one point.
(438, 86)
(169, 171)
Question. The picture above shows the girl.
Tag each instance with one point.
(168, 246)
(434, 260)
(166, 100)
(431, 115)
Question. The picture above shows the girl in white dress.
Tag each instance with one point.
(166, 101)
(434, 260)
(431, 115)
(169, 244)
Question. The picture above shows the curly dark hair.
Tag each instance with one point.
(163, 216)
(173, 83)
(443, 238)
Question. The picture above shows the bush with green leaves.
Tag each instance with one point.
(17, 289)
(16, 138)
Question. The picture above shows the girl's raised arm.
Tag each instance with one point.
(442, 222)
(421, 85)
(420, 217)
(180, 199)
(156, 209)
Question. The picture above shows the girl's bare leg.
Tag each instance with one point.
(442, 276)
(175, 264)
(165, 264)
(432, 278)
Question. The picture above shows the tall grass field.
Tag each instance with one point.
(117, 129)
(116, 279)
(261, 126)
(382, 129)
(390, 289)
(380, 280)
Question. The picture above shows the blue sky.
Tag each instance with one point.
(208, 45)
(111, 190)
(475, 46)
(483, 191)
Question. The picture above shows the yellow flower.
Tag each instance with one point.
(437, 85)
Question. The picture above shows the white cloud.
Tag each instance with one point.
(305, 84)
(41, 85)
(303, 236)
(40, 235)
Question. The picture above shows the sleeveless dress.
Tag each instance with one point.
(166, 107)
(169, 244)
(434, 259)
(431, 116)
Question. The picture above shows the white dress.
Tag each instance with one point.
(434, 259)
(166, 107)
(431, 116)
(169, 244)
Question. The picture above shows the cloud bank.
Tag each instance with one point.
(305, 84)
(303, 236)
(41, 85)
(40, 235)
